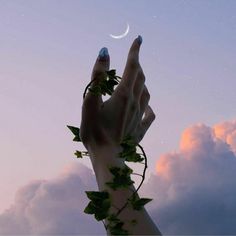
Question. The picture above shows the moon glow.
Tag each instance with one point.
(122, 35)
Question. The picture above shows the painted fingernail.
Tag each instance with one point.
(103, 54)
(140, 39)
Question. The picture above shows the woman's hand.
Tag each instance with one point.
(104, 126)
(108, 123)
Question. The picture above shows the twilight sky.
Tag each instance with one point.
(47, 51)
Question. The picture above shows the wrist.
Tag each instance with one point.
(102, 158)
(105, 155)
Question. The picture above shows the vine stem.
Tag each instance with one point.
(84, 94)
(88, 85)
(104, 225)
(143, 177)
(136, 174)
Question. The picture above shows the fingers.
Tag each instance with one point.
(134, 114)
(139, 85)
(148, 118)
(144, 99)
(147, 121)
(101, 65)
(132, 64)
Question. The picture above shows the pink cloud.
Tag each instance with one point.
(195, 187)
(227, 132)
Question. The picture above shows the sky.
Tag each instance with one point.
(47, 52)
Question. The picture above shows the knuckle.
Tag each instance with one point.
(152, 116)
(147, 95)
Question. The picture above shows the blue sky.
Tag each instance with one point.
(47, 52)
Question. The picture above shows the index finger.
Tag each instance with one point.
(132, 63)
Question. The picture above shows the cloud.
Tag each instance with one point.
(227, 132)
(195, 187)
(53, 206)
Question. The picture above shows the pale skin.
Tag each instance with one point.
(105, 124)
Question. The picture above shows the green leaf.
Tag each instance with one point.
(111, 72)
(73, 129)
(128, 141)
(115, 226)
(106, 85)
(78, 154)
(76, 139)
(137, 204)
(99, 205)
(129, 151)
(116, 229)
(96, 90)
(134, 157)
(90, 209)
(76, 132)
(113, 218)
(112, 82)
(95, 195)
(121, 177)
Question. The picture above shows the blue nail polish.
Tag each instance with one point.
(140, 40)
(103, 53)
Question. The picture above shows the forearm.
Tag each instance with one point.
(104, 158)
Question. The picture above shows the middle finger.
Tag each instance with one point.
(132, 64)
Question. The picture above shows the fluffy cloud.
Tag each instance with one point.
(195, 187)
(54, 206)
(227, 132)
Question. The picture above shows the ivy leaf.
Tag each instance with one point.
(115, 226)
(121, 177)
(90, 208)
(137, 204)
(117, 229)
(99, 205)
(128, 141)
(73, 129)
(130, 155)
(106, 85)
(100, 211)
(129, 151)
(135, 157)
(78, 154)
(94, 195)
(76, 132)
(96, 90)
(111, 83)
(111, 73)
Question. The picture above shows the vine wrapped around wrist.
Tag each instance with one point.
(100, 202)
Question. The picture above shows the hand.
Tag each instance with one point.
(108, 123)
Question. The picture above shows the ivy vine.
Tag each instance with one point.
(100, 202)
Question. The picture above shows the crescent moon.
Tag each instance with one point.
(122, 35)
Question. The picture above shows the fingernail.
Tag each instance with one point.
(103, 54)
(140, 39)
